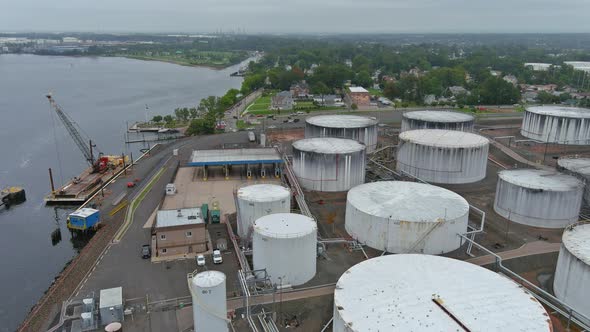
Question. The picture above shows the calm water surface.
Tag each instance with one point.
(100, 94)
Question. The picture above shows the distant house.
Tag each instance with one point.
(299, 90)
(538, 66)
(328, 100)
(359, 96)
(179, 232)
(282, 101)
(530, 96)
(495, 73)
(458, 90)
(511, 79)
(387, 78)
(429, 99)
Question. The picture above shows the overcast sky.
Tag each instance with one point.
(296, 16)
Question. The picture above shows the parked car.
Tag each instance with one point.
(271, 127)
(300, 113)
(146, 251)
(200, 260)
(217, 259)
(296, 120)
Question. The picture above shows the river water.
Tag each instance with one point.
(101, 95)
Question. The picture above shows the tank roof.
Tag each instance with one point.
(439, 116)
(541, 179)
(284, 225)
(395, 292)
(408, 201)
(342, 121)
(443, 138)
(578, 165)
(563, 111)
(265, 192)
(576, 239)
(328, 145)
(208, 278)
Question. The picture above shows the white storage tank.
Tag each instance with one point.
(208, 291)
(259, 200)
(579, 167)
(443, 156)
(329, 164)
(538, 198)
(446, 120)
(414, 292)
(404, 217)
(572, 274)
(360, 128)
(557, 124)
(285, 245)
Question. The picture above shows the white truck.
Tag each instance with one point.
(251, 136)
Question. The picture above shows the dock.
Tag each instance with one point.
(82, 187)
(12, 195)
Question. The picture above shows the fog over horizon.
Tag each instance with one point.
(301, 16)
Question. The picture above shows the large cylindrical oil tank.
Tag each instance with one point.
(557, 124)
(208, 291)
(329, 164)
(414, 292)
(404, 217)
(579, 167)
(572, 274)
(538, 198)
(446, 120)
(285, 244)
(442, 156)
(259, 200)
(360, 128)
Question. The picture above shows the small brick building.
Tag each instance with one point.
(359, 96)
(179, 232)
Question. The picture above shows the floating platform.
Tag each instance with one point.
(79, 189)
(11, 196)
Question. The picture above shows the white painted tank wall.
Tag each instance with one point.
(580, 168)
(572, 274)
(412, 124)
(329, 171)
(368, 135)
(288, 259)
(537, 207)
(556, 129)
(259, 200)
(428, 232)
(209, 301)
(439, 164)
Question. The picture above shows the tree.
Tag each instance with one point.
(391, 91)
(496, 91)
(363, 79)
(157, 118)
(354, 107)
(168, 119)
(320, 88)
(193, 113)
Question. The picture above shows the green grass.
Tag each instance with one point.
(259, 106)
(241, 124)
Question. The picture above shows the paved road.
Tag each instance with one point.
(528, 249)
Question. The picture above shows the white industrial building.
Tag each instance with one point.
(359, 128)
(414, 292)
(446, 120)
(579, 167)
(285, 244)
(538, 66)
(538, 198)
(404, 217)
(572, 275)
(208, 292)
(329, 164)
(258, 200)
(557, 124)
(442, 156)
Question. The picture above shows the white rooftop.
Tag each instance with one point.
(234, 156)
(394, 293)
(111, 297)
(541, 179)
(179, 217)
(578, 165)
(83, 212)
(284, 225)
(562, 111)
(328, 145)
(357, 89)
(439, 116)
(341, 121)
(443, 138)
(408, 201)
(207, 279)
(263, 192)
(577, 241)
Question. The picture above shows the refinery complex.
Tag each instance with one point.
(427, 220)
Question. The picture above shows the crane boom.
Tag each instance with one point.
(76, 136)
